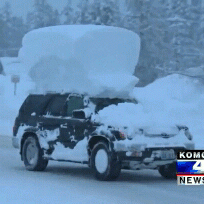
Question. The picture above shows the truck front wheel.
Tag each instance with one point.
(104, 163)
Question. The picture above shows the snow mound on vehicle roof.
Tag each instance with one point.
(78, 57)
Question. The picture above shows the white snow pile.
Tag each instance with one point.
(167, 102)
(12, 65)
(10, 103)
(133, 117)
(79, 153)
(82, 58)
(176, 99)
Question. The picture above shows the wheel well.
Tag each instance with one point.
(94, 140)
(25, 136)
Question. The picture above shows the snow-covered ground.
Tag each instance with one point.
(73, 183)
(10, 103)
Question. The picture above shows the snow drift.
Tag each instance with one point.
(82, 58)
(167, 102)
(175, 99)
(10, 103)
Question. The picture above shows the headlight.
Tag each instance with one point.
(119, 135)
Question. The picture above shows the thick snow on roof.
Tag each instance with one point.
(77, 57)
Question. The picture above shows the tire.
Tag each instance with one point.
(104, 163)
(32, 155)
(168, 171)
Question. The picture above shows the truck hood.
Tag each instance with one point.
(160, 131)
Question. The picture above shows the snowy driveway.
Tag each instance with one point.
(71, 183)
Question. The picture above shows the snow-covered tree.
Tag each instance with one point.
(82, 14)
(18, 30)
(42, 15)
(3, 40)
(68, 12)
(6, 12)
(147, 19)
(98, 12)
(105, 12)
(184, 26)
(12, 28)
(6, 16)
(170, 33)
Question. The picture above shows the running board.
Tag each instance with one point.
(64, 160)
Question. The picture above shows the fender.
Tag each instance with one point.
(31, 129)
(97, 138)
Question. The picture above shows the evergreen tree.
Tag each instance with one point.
(6, 21)
(6, 12)
(3, 39)
(12, 30)
(42, 15)
(144, 20)
(170, 35)
(56, 18)
(18, 30)
(82, 14)
(105, 12)
(184, 29)
(68, 12)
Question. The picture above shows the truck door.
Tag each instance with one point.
(73, 130)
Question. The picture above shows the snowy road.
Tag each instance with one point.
(70, 183)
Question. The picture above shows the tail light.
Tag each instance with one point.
(122, 135)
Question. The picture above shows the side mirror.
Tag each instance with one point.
(78, 114)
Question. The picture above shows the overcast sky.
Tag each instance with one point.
(21, 7)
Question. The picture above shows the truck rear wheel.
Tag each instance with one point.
(32, 155)
(168, 171)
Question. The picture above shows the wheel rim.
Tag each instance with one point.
(101, 161)
(31, 153)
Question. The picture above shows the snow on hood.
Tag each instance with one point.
(178, 99)
(86, 58)
(130, 117)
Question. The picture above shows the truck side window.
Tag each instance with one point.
(56, 106)
(74, 103)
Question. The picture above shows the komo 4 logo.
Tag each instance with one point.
(199, 166)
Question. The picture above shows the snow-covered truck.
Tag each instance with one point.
(96, 120)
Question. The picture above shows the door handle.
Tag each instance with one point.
(63, 125)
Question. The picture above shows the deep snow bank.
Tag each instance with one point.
(10, 103)
(13, 65)
(82, 58)
(167, 102)
(175, 99)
